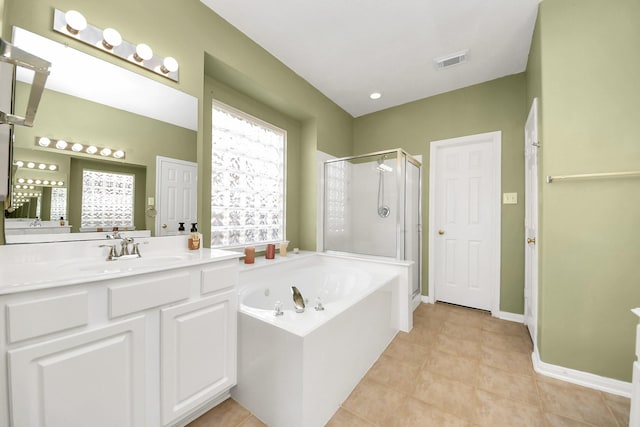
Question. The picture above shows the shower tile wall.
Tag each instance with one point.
(372, 234)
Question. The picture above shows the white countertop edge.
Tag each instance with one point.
(214, 255)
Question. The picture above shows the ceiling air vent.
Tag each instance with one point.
(451, 60)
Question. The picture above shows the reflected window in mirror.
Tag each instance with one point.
(107, 201)
(58, 203)
(247, 179)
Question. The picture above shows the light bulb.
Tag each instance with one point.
(31, 165)
(169, 65)
(42, 166)
(21, 180)
(38, 182)
(19, 163)
(92, 150)
(31, 187)
(77, 147)
(29, 181)
(111, 38)
(75, 21)
(143, 53)
(375, 95)
(45, 182)
(105, 152)
(53, 167)
(118, 154)
(60, 183)
(44, 141)
(61, 144)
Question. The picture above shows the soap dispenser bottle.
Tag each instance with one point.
(181, 228)
(194, 237)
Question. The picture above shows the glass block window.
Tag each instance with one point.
(107, 200)
(58, 203)
(247, 179)
(336, 197)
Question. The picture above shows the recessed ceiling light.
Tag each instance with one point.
(375, 95)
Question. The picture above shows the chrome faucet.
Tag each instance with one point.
(115, 235)
(124, 248)
(298, 301)
(36, 223)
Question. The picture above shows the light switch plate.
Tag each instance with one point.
(509, 198)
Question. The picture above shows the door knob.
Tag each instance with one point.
(441, 232)
(164, 225)
(531, 240)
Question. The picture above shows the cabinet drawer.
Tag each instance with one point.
(220, 277)
(148, 293)
(47, 315)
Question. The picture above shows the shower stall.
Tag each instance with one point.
(372, 207)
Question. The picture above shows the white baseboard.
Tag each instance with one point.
(427, 299)
(586, 379)
(512, 317)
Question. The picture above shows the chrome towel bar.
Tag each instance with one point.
(550, 178)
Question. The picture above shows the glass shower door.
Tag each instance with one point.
(361, 205)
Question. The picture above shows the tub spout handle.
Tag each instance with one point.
(298, 301)
(319, 306)
(278, 309)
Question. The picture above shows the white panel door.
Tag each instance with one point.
(176, 195)
(198, 353)
(465, 220)
(531, 221)
(93, 378)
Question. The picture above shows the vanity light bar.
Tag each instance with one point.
(76, 147)
(36, 165)
(38, 181)
(73, 24)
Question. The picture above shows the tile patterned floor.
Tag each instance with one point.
(457, 367)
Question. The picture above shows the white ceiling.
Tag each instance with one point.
(348, 49)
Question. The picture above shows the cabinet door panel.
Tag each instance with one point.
(198, 353)
(93, 378)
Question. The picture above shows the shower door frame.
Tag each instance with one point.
(400, 248)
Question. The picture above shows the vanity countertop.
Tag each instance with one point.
(49, 265)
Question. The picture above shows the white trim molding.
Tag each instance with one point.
(427, 299)
(586, 379)
(511, 317)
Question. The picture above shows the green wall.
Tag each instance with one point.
(197, 37)
(587, 70)
(491, 106)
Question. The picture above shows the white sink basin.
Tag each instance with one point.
(129, 264)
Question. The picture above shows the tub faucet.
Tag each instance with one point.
(298, 301)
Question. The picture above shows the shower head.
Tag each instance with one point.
(383, 168)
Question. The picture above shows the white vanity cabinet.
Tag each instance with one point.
(91, 378)
(199, 353)
(145, 350)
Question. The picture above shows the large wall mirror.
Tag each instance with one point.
(92, 102)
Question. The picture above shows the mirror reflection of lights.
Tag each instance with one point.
(75, 147)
